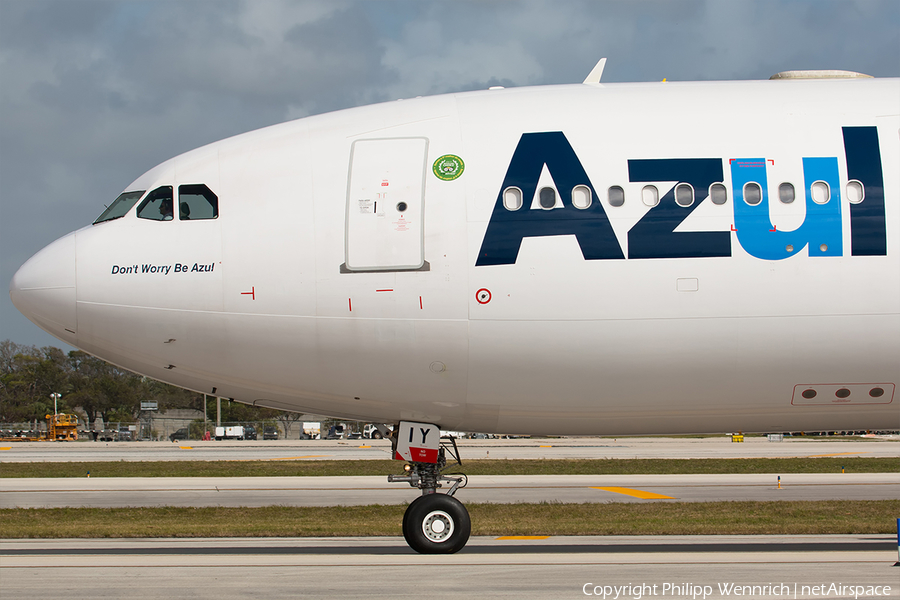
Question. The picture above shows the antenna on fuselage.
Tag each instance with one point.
(596, 72)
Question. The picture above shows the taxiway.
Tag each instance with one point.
(113, 492)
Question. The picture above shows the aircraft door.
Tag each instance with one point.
(385, 212)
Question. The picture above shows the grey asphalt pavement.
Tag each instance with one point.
(708, 447)
(99, 492)
(555, 567)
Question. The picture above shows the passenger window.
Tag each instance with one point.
(684, 194)
(821, 193)
(581, 196)
(650, 195)
(752, 193)
(157, 206)
(547, 197)
(856, 193)
(120, 206)
(512, 198)
(719, 193)
(616, 196)
(786, 193)
(197, 202)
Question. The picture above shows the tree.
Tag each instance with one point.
(27, 378)
(29, 375)
(168, 396)
(236, 412)
(287, 420)
(104, 390)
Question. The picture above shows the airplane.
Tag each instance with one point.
(585, 259)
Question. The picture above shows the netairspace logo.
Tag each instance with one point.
(725, 590)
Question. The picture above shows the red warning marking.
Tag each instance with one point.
(420, 302)
(401, 224)
(251, 293)
(774, 227)
(772, 160)
(426, 455)
(483, 296)
(350, 304)
(387, 290)
(733, 228)
(731, 160)
(385, 183)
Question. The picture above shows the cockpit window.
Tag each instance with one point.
(197, 202)
(157, 206)
(120, 206)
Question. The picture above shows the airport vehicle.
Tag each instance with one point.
(179, 435)
(311, 429)
(61, 427)
(336, 432)
(579, 259)
(371, 432)
(235, 432)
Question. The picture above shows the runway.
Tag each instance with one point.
(554, 567)
(112, 492)
(532, 448)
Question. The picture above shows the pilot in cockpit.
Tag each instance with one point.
(165, 209)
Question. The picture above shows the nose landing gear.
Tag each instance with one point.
(434, 523)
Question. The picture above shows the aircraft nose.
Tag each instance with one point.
(43, 289)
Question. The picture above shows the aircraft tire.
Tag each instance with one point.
(406, 517)
(436, 524)
(406, 520)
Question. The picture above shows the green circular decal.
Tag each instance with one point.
(448, 167)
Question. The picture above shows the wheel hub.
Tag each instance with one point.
(438, 526)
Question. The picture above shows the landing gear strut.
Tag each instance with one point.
(434, 523)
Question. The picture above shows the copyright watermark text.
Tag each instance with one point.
(690, 590)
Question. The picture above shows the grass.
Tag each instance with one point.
(313, 468)
(680, 518)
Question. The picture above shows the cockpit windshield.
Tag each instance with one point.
(120, 206)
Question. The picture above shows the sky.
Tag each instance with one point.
(93, 93)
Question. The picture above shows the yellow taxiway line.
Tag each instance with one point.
(635, 493)
(299, 457)
(837, 454)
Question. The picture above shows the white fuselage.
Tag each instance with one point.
(460, 310)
